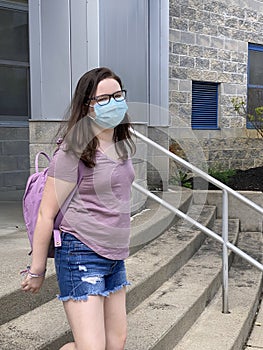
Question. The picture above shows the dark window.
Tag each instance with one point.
(14, 62)
(255, 84)
(204, 105)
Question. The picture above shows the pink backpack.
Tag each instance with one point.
(31, 202)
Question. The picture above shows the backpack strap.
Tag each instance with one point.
(37, 157)
(59, 217)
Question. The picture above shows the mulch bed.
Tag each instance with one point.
(244, 180)
(247, 180)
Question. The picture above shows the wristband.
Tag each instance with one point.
(32, 275)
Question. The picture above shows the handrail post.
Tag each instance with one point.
(225, 309)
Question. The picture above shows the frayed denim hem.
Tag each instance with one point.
(117, 288)
(86, 297)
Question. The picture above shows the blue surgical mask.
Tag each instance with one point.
(110, 115)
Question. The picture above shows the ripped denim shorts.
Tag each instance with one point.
(82, 272)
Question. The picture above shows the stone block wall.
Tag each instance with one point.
(209, 42)
(140, 167)
(157, 162)
(14, 162)
(42, 137)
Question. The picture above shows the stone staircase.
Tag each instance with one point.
(174, 301)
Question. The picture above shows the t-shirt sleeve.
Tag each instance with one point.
(64, 166)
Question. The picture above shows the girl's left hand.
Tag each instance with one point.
(32, 284)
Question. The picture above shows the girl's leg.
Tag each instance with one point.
(86, 319)
(115, 320)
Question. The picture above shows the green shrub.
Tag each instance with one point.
(222, 175)
(255, 117)
(181, 179)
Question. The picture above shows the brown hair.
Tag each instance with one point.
(77, 132)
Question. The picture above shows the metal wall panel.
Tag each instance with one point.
(93, 33)
(79, 60)
(34, 57)
(50, 61)
(55, 54)
(69, 37)
(134, 42)
(124, 44)
(159, 62)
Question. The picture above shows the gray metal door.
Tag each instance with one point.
(124, 44)
(133, 41)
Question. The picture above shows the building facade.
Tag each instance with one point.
(181, 61)
(216, 54)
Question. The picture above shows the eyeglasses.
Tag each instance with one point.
(103, 100)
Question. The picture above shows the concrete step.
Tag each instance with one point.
(215, 330)
(14, 249)
(255, 340)
(155, 219)
(147, 270)
(162, 319)
(35, 328)
(152, 265)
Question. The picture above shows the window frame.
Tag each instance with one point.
(16, 119)
(259, 48)
(15, 5)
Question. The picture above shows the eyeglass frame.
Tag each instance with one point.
(109, 96)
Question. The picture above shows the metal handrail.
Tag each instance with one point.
(226, 191)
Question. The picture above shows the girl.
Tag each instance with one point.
(96, 225)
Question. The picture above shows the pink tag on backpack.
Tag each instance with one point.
(57, 238)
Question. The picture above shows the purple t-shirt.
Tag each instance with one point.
(99, 212)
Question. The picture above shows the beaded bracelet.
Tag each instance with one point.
(32, 275)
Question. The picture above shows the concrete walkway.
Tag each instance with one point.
(11, 218)
(14, 249)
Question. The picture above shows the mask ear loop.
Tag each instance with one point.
(89, 115)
